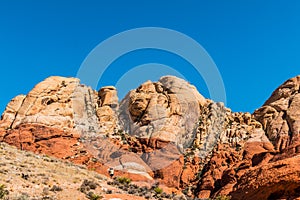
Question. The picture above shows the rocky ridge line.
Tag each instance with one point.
(165, 132)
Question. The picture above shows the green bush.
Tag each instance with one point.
(221, 197)
(93, 196)
(124, 180)
(158, 190)
(3, 191)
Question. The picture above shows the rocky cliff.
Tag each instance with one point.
(165, 133)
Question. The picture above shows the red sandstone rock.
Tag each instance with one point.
(175, 136)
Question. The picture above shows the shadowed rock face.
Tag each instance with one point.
(165, 132)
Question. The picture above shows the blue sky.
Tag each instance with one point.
(255, 44)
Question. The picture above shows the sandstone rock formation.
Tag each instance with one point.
(165, 132)
(59, 117)
(107, 109)
(11, 110)
(167, 110)
(55, 102)
(280, 115)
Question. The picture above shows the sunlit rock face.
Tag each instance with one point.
(165, 132)
(167, 110)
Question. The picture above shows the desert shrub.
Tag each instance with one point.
(124, 180)
(158, 190)
(91, 184)
(56, 188)
(23, 196)
(87, 186)
(222, 197)
(46, 198)
(93, 196)
(3, 191)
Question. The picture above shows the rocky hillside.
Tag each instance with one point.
(165, 133)
(25, 175)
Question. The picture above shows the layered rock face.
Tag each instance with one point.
(280, 115)
(165, 132)
(52, 118)
(56, 102)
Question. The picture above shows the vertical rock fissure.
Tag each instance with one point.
(214, 128)
(15, 117)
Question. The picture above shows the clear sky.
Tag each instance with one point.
(255, 44)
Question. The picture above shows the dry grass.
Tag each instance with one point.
(31, 176)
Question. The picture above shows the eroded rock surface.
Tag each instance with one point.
(107, 110)
(280, 115)
(56, 102)
(167, 110)
(165, 132)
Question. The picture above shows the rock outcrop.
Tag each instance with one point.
(107, 109)
(56, 102)
(58, 117)
(166, 110)
(280, 115)
(165, 132)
